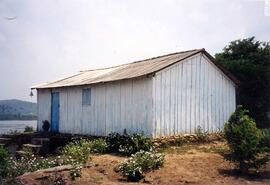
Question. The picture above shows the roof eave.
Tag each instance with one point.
(222, 68)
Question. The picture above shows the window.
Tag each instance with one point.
(86, 96)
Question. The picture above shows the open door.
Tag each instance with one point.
(55, 112)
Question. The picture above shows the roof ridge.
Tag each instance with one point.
(137, 61)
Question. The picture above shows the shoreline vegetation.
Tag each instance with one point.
(17, 110)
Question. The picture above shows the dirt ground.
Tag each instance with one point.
(189, 164)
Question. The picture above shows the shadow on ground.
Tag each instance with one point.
(251, 176)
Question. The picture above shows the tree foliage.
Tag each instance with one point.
(249, 60)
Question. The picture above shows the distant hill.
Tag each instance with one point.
(17, 110)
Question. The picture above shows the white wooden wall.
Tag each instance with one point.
(176, 100)
(191, 93)
(114, 107)
(43, 106)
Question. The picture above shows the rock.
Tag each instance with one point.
(89, 165)
(116, 169)
(148, 180)
(101, 170)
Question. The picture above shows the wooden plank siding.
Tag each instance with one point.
(114, 107)
(177, 99)
(189, 94)
(43, 106)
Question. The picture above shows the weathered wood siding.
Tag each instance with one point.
(191, 93)
(43, 106)
(115, 106)
(178, 99)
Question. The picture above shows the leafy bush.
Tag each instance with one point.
(4, 156)
(128, 144)
(202, 136)
(115, 140)
(28, 129)
(98, 146)
(245, 141)
(139, 163)
(77, 151)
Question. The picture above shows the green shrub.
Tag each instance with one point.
(245, 141)
(139, 163)
(98, 146)
(77, 151)
(127, 144)
(201, 135)
(4, 157)
(28, 129)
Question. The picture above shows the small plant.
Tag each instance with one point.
(76, 171)
(98, 146)
(202, 136)
(4, 156)
(245, 141)
(139, 163)
(127, 144)
(77, 151)
(28, 129)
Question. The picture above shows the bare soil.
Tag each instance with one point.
(188, 164)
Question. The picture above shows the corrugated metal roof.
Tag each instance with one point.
(125, 71)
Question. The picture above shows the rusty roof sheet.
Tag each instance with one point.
(125, 71)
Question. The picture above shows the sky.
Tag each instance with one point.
(41, 41)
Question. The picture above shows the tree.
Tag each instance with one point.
(249, 60)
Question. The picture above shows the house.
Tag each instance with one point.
(160, 96)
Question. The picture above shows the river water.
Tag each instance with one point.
(7, 126)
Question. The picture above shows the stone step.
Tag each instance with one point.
(40, 141)
(32, 146)
(20, 153)
(4, 140)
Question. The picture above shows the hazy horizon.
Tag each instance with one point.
(42, 41)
